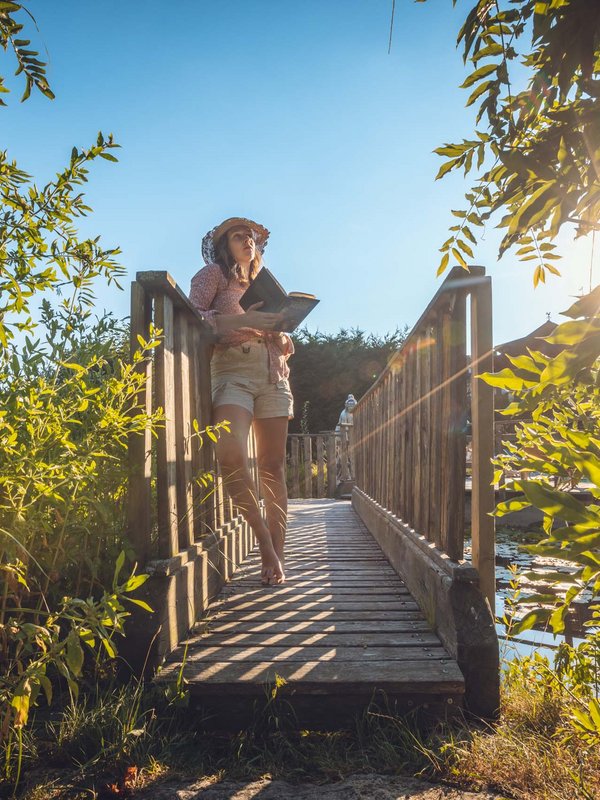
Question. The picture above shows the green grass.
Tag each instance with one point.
(151, 736)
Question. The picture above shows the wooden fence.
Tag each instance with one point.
(186, 534)
(410, 427)
(182, 509)
(317, 463)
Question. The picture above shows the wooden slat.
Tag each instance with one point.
(295, 467)
(343, 624)
(348, 676)
(320, 468)
(140, 445)
(331, 469)
(307, 446)
(183, 431)
(435, 487)
(455, 498)
(166, 488)
(482, 424)
(323, 653)
(362, 639)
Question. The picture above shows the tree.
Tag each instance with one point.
(326, 368)
(536, 154)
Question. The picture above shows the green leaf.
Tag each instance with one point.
(537, 616)
(506, 379)
(509, 506)
(553, 502)
(141, 604)
(587, 306)
(134, 582)
(74, 653)
(443, 263)
(458, 256)
(118, 566)
(483, 87)
(480, 73)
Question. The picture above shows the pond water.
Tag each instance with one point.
(509, 550)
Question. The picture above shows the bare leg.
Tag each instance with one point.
(232, 455)
(271, 437)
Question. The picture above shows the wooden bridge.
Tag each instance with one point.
(379, 603)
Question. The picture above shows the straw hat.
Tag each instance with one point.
(260, 233)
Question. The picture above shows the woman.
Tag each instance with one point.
(249, 382)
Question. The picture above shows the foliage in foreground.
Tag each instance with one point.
(535, 80)
(129, 737)
(68, 408)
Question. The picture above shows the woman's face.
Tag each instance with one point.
(241, 244)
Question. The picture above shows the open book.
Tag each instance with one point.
(295, 306)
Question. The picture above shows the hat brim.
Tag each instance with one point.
(261, 234)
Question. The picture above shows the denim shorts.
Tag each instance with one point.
(240, 376)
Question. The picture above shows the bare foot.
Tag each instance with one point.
(272, 572)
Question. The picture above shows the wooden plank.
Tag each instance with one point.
(166, 474)
(301, 617)
(291, 591)
(295, 467)
(435, 498)
(456, 467)
(317, 676)
(320, 468)
(140, 445)
(391, 631)
(482, 425)
(307, 446)
(321, 604)
(323, 652)
(183, 431)
(203, 456)
(331, 470)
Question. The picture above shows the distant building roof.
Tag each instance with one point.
(534, 341)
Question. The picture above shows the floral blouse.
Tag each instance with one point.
(212, 294)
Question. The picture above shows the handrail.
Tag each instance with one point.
(178, 511)
(409, 439)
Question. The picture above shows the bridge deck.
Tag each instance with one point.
(341, 627)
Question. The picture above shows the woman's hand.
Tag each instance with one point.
(260, 320)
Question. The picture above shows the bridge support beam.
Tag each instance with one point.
(178, 590)
(449, 595)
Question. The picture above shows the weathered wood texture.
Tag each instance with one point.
(185, 507)
(448, 593)
(313, 463)
(409, 437)
(343, 625)
(185, 532)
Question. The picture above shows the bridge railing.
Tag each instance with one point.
(410, 427)
(317, 463)
(183, 528)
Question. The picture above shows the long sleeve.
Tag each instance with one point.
(203, 289)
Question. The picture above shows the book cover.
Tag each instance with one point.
(295, 306)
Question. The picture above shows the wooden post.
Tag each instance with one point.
(140, 445)
(166, 478)
(455, 497)
(482, 422)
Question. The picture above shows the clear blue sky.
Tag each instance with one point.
(289, 112)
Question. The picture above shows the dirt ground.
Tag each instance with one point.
(356, 787)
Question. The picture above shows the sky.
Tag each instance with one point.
(290, 113)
